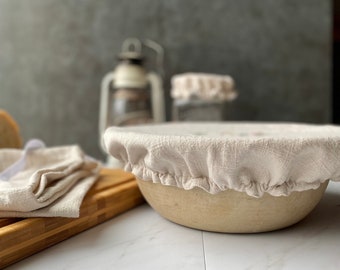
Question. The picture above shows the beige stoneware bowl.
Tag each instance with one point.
(229, 211)
(230, 177)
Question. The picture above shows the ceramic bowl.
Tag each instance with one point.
(230, 177)
(229, 211)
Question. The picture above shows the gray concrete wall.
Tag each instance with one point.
(54, 53)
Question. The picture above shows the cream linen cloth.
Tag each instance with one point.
(203, 86)
(255, 158)
(46, 182)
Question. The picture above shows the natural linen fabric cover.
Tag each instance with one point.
(52, 182)
(256, 158)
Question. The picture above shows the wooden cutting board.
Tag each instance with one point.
(115, 192)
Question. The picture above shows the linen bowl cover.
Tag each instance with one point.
(255, 158)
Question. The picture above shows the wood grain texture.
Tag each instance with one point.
(115, 192)
(9, 131)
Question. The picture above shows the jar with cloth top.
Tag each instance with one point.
(201, 97)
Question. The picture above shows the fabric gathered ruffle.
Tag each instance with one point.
(254, 158)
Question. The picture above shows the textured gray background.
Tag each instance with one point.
(54, 53)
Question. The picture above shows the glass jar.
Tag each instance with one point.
(201, 97)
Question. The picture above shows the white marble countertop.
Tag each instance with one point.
(141, 239)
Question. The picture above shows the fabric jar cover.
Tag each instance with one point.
(256, 158)
(204, 86)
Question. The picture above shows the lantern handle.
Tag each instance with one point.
(159, 51)
(104, 105)
(157, 97)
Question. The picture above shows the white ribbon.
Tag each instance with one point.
(20, 164)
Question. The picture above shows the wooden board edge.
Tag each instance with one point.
(24, 249)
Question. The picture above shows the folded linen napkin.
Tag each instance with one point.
(44, 182)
